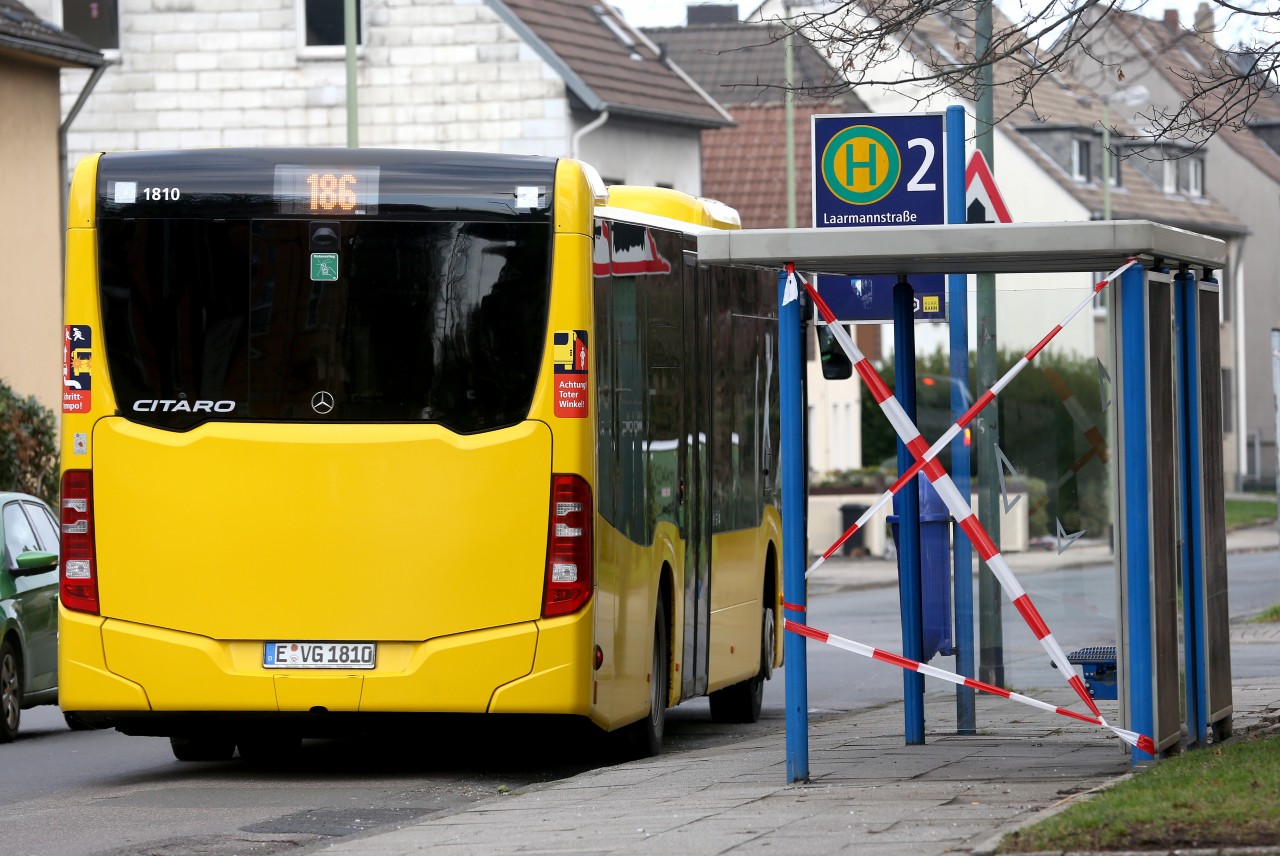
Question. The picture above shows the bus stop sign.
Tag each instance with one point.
(878, 170)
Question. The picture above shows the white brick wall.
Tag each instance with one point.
(432, 74)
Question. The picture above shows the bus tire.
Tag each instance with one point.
(741, 702)
(643, 739)
(202, 748)
(10, 691)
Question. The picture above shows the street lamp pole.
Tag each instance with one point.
(990, 631)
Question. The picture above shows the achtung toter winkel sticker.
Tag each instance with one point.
(569, 354)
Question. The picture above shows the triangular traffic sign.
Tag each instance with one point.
(982, 200)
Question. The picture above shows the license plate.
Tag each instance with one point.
(319, 655)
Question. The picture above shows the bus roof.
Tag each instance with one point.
(669, 207)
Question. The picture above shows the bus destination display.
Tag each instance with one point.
(328, 191)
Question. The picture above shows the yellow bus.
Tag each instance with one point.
(367, 432)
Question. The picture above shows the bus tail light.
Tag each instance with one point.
(78, 577)
(568, 584)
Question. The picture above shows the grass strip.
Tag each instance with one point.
(1268, 615)
(1223, 796)
(1249, 512)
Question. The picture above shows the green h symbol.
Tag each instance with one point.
(869, 165)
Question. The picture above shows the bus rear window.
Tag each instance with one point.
(323, 321)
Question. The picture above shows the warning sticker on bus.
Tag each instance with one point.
(569, 354)
(77, 379)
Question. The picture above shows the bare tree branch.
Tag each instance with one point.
(924, 48)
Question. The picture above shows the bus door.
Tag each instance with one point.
(672, 489)
(697, 566)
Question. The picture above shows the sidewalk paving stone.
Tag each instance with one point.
(869, 795)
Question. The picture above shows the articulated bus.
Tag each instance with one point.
(348, 434)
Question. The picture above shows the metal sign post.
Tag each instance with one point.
(794, 499)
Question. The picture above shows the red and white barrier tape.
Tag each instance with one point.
(925, 456)
(1140, 741)
(956, 427)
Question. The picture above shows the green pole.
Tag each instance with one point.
(990, 631)
(789, 103)
(349, 31)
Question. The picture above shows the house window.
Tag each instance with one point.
(1170, 176)
(323, 23)
(95, 21)
(1101, 299)
(1195, 176)
(1080, 160)
(1113, 164)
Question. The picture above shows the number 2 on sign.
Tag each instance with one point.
(915, 183)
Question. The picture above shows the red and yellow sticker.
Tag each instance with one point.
(569, 354)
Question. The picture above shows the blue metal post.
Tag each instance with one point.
(1136, 502)
(1186, 317)
(958, 319)
(909, 593)
(790, 365)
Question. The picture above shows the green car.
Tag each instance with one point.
(28, 608)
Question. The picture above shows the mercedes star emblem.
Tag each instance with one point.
(322, 402)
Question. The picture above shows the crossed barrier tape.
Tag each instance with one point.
(926, 461)
(1133, 738)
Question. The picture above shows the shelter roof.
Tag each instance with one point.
(978, 248)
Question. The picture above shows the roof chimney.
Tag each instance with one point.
(1171, 20)
(1204, 22)
(712, 13)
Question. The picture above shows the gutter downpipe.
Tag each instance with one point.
(89, 85)
(576, 141)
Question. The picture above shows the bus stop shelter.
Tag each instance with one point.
(1169, 526)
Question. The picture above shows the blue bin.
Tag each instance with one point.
(1099, 666)
(935, 570)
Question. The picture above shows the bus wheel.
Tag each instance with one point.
(10, 692)
(202, 748)
(741, 702)
(643, 739)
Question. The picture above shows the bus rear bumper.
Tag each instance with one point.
(115, 672)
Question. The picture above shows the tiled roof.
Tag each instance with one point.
(745, 63)
(1173, 52)
(743, 66)
(746, 166)
(22, 31)
(1060, 100)
(606, 63)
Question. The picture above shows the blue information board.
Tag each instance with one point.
(870, 298)
(878, 170)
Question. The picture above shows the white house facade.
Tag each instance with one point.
(481, 75)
